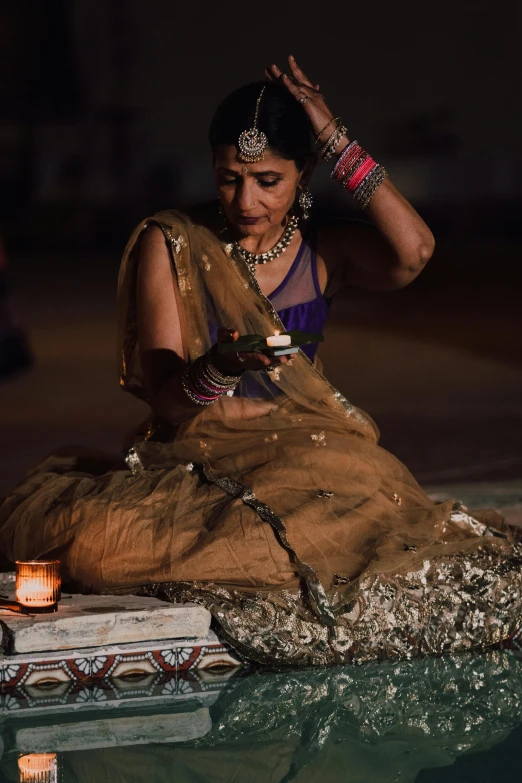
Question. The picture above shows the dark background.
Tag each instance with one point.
(104, 111)
(106, 105)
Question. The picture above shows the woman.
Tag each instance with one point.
(257, 489)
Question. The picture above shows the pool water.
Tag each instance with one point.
(424, 721)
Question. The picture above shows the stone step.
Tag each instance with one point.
(115, 731)
(84, 621)
(166, 718)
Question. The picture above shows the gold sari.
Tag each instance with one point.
(275, 508)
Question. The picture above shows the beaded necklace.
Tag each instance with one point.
(263, 258)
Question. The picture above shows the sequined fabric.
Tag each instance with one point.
(316, 592)
(454, 604)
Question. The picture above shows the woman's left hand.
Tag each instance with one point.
(308, 94)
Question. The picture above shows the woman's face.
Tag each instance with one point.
(255, 196)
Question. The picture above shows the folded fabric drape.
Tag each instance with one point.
(308, 542)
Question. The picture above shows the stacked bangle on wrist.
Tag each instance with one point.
(337, 120)
(328, 148)
(333, 142)
(358, 173)
(204, 384)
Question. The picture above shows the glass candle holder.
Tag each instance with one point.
(38, 768)
(38, 584)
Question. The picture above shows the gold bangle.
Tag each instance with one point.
(333, 142)
(334, 119)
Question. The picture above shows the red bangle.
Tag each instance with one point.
(345, 159)
(358, 173)
(354, 181)
(349, 165)
(197, 392)
(353, 166)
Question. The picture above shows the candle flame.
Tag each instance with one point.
(276, 334)
(37, 583)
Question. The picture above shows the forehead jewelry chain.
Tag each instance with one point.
(252, 143)
(263, 258)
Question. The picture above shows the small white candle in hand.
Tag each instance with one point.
(278, 340)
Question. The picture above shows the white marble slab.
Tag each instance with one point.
(210, 639)
(99, 621)
(114, 732)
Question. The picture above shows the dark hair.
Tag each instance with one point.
(281, 118)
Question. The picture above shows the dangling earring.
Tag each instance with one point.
(220, 207)
(305, 202)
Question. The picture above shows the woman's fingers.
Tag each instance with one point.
(267, 360)
(275, 72)
(291, 85)
(298, 79)
(299, 75)
(259, 361)
(244, 360)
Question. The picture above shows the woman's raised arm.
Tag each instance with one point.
(355, 253)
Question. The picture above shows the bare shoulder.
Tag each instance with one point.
(154, 269)
(155, 261)
(153, 242)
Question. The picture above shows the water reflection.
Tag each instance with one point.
(380, 723)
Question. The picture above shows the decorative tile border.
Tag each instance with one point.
(100, 693)
(125, 661)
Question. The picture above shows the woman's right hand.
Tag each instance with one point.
(235, 363)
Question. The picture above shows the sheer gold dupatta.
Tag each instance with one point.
(348, 508)
(230, 439)
(216, 286)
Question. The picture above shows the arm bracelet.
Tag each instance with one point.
(358, 173)
(204, 384)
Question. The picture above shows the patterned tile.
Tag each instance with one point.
(11, 673)
(97, 675)
(116, 692)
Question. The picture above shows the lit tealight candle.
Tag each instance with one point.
(38, 768)
(38, 584)
(279, 340)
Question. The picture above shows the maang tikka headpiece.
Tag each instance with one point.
(252, 143)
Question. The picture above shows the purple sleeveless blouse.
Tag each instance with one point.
(298, 300)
